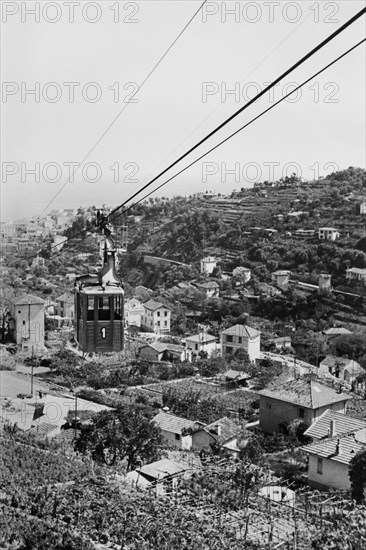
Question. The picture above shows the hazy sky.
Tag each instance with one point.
(219, 52)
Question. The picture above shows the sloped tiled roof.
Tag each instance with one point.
(160, 347)
(332, 361)
(228, 429)
(174, 424)
(336, 331)
(153, 305)
(66, 297)
(305, 393)
(339, 448)
(208, 285)
(342, 424)
(202, 338)
(242, 330)
(164, 468)
(232, 374)
(28, 299)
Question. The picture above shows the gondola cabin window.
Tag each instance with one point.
(104, 310)
(90, 312)
(117, 309)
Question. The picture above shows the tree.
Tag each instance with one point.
(357, 475)
(123, 434)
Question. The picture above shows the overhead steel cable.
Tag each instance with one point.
(225, 140)
(247, 105)
(124, 107)
(248, 123)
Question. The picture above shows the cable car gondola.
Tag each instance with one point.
(99, 304)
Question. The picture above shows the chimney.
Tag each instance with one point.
(332, 428)
(218, 429)
(337, 449)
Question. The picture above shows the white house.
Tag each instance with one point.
(156, 317)
(328, 233)
(356, 274)
(211, 289)
(241, 337)
(281, 278)
(201, 343)
(134, 311)
(363, 208)
(329, 459)
(207, 265)
(243, 273)
(26, 323)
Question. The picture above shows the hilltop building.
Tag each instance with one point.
(328, 233)
(356, 274)
(281, 278)
(207, 265)
(325, 281)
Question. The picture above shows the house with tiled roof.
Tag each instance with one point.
(163, 473)
(334, 332)
(202, 343)
(341, 367)
(225, 432)
(26, 322)
(332, 423)
(159, 351)
(210, 288)
(175, 430)
(156, 317)
(187, 434)
(65, 305)
(329, 459)
(298, 399)
(241, 337)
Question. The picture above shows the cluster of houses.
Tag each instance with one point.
(335, 436)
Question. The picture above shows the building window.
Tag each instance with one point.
(165, 323)
(229, 338)
(196, 346)
(158, 323)
(301, 413)
(229, 349)
(165, 314)
(240, 340)
(177, 437)
(319, 467)
(158, 314)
